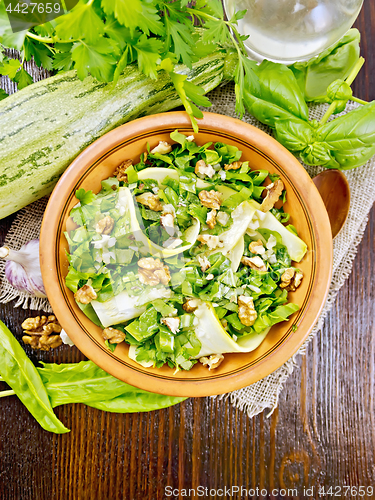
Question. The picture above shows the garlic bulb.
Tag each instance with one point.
(22, 268)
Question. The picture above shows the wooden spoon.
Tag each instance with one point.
(335, 192)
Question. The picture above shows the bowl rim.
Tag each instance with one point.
(140, 378)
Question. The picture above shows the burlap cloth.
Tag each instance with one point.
(265, 393)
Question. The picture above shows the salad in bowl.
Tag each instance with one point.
(184, 255)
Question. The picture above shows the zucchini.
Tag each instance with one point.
(46, 125)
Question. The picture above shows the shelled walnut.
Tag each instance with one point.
(255, 263)
(85, 294)
(233, 166)
(150, 201)
(291, 279)
(40, 332)
(257, 247)
(120, 171)
(113, 335)
(246, 310)
(105, 225)
(152, 271)
(274, 192)
(210, 199)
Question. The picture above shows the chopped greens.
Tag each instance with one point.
(180, 257)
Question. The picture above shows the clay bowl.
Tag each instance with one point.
(308, 215)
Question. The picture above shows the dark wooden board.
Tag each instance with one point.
(322, 434)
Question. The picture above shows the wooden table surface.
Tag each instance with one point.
(322, 434)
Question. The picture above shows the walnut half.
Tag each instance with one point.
(38, 332)
(105, 226)
(85, 294)
(210, 199)
(255, 263)
(257, 247)
(113, 335)
(152, 271)
(150, 201)
(274, 192)
(120, 171)
(291, 279)
(233, 166)
(246, 310)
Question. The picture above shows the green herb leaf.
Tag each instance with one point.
(41, 53)
(63, 57)
(179, 34)
(110, 346)
(85, 197)
(10, 68)
(127, 13)
(277, 84)
(336, 62)
(135, 401)
(148, 55)
(96, 59)
(23, 79)
(351, 131)
(82, 22)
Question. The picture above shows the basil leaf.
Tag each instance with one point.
(294, 134)
(354, 158)
(354, 130)
(278, 85)
(314, 76)
(265, 111)
(319, 154)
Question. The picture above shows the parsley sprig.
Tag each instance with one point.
(220, 31)
(102, 37)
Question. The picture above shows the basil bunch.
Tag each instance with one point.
(279, 99)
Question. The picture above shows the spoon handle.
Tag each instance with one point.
(334, 189)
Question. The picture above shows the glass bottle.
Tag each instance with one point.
(292, 30)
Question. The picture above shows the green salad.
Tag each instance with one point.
(184, 255)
